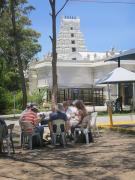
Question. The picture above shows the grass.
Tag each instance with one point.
(105, 113)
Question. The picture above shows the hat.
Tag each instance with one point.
(28, 105)
(34, 108)
(60, 107)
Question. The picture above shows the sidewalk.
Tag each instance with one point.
(101, 120)
(10, 116)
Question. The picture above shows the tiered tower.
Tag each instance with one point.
(70, 39)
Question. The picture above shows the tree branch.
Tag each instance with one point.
(51, 38)
(62, 7)
(51, 3)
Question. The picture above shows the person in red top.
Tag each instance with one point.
(31, 116)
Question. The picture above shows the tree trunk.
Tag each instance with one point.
(54, 53)
(54, 56)
(19, 60)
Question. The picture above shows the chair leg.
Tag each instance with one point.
(94, 131)
(97, 131)
(75, 136)
(87, 138)
(63, 139)
(8, 145)
(54, 138)
(21, 139)
(85, 132)
(24, 138)
(30, 141)
(12, 143)
(2, 146)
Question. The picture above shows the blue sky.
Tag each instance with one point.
(104, 25)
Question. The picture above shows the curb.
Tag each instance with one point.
(10, 117)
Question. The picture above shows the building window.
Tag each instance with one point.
(71, 28)
(74, 59)
(73, 49)
(73, 42)
(72, 34)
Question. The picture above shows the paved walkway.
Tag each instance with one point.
(101, 120)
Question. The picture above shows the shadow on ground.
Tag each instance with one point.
(108, 158)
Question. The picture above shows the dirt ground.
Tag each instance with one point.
(110, 157)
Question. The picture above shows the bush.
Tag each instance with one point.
(36, 97)
(7, 101)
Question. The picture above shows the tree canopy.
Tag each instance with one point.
(17, 39)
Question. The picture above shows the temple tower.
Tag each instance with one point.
(70, 39)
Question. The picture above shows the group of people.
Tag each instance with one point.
(71, 113)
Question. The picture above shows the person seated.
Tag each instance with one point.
(57, 114)
(67, 110)
(71, 112)
(82, 112)
(31, 116)
(28, 106)
(74, 113)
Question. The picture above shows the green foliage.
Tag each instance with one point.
(36, 97)
(27, 40)
(7, 101)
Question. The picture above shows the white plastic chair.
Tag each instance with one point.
(27, 134)
(58, 124)
(93, 125)
(85, 128)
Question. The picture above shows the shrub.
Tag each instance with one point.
(36, 97)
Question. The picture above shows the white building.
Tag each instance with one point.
(77, 68)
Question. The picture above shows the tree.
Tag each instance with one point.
(18, 43)
(54, 15)
(17, 51)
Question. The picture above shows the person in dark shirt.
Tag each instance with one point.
(58, 114)
(58, 124)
